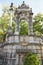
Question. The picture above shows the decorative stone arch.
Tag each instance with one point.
(27, 15)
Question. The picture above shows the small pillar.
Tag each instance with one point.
(17, 26)
(19, 59)
(10, 21)
(11, 11)
(30, 30)
(30, 25)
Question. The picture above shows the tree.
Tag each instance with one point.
(31, 59)
(4, 20)
(37, 26)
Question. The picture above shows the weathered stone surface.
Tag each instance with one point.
(15, 46)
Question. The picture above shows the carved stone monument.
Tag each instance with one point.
(16, 46)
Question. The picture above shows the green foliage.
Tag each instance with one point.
(13, 26)
(2, 37)
(4, 22)
(37, 26)
(31, 59)
(23, 28)
(38, 17)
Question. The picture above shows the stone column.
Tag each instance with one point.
(17, 25)
(30, 25)
(10, 22)
(19, 59)
(11, 12)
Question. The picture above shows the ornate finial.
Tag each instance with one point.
(11, 6)
(23, 2)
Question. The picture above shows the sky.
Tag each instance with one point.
(36, 5)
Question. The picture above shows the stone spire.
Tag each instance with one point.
(11, 12)
(10, 21)
(23, 2)
(11, 7)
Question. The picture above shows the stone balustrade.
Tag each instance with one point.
(24, 39)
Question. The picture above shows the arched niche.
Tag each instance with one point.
(23, 26)
(24, 11)
(28, 17)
